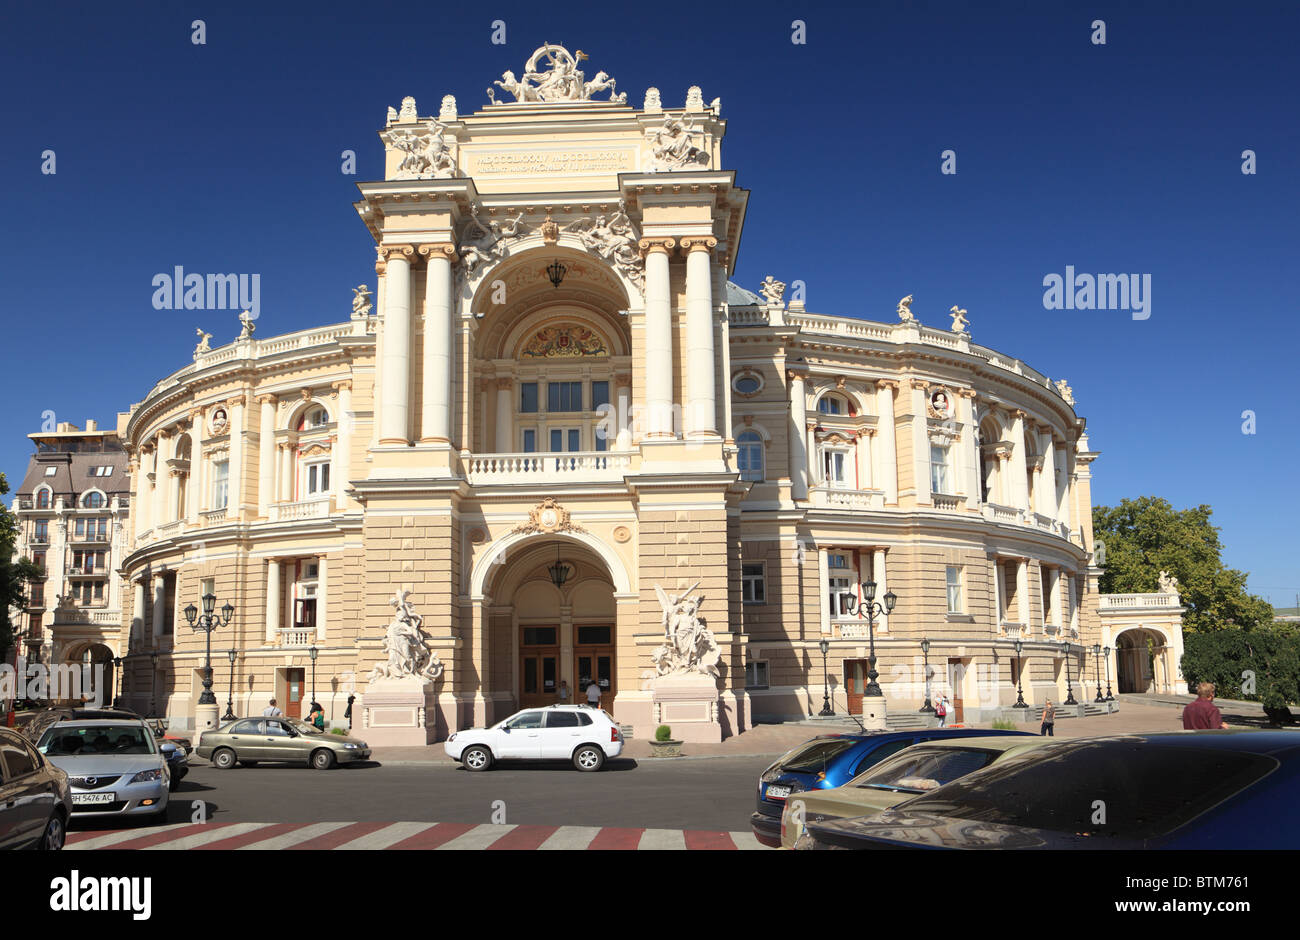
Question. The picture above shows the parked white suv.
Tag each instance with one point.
(584, 735)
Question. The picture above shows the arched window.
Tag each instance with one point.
(43, 498)
(313, 418)
(749, 458)
(832, 405)
(92, 500)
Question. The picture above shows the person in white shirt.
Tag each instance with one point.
(593, 694)
(271, 711)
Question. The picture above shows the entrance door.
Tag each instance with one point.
(539, 666)
(593, 659)
(956, 679)
(855, 682)
(293, 692)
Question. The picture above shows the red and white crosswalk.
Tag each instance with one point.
(406, 835)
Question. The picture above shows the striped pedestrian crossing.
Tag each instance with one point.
(404, 836)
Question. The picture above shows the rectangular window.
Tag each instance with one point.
(38, 559)
(220, 484)
(80, 528)
(563, 396)
(50, 471)
(103, 529)
(939, 482)
(753, 583)
(756, 675)
(540, 636)
(528, 397)
(207, 586)
(833, 466)
(42, 533)
(530, 440)
(595, 636)
(318, 478)
(954, 589)
(99, 590)
(599, 395)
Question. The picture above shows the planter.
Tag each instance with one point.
(665, 748)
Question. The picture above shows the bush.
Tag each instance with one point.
(1261, 665)
(1003, 724)
(663, 733)
(342, 732)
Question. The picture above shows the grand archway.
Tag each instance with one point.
(549, 604)
(1142, 661)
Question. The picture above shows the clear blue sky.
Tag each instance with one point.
(1117, 158)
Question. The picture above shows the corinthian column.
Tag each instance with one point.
(1019, 473)
(887, 479)
(266, 456)
(505, 416)
(343, 446)
(395, 369)
(701, 406)
(435, 416)
(797, 432)
(658, 339)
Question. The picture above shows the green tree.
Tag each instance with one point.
(1260, 665)
(15, 573)
(1145, 536)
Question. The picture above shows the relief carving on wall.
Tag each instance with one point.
(547, 517)
(554, 342)
(426, 153)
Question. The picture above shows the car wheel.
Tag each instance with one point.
(477, 758)
(589, 758)
(55, 834)
(224, 759)
(322, 758)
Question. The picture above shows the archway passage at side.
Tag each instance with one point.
(1142, 661)
(552, 617)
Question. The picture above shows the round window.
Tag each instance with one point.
(747, 383)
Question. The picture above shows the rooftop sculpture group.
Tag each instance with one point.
(563, 81)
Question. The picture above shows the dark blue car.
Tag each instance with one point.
(831, 760)
(1163, 790)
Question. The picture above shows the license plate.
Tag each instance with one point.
(777, 793)
(83, 799)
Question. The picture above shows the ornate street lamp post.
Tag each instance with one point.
(230, 699)
(927, 708)
(205, 715)
(153, 694)
(313, 653)
(1069, 689)
(826, 676)
(1096, 664)
(872, 609)
(1109, 697)
(117, 678)
(1020, 677)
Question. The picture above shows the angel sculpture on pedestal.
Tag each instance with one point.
(689, 646)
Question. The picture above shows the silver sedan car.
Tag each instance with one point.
(114, 766)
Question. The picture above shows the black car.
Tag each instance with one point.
(35, 799)
(174, 750)
(1164, 790)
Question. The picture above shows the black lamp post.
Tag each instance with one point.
(313, 652)
(1069, 689)
(1096, 663)
(1020, 677)
(230, 701)
(826, 711)
(207, 623)
(153, 695)
(1106, 654)
(872, 609)
(117, 678)
(927, 708)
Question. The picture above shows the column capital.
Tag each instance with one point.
(195, 414)
(649, 246)
(433, 250)
(341, 385)
(796, 375)
(965, 393)
(504, 383)
(698, 242)
(889, 384)
(922, 384)
(1017, 413)
(396, 252)
(623, 380)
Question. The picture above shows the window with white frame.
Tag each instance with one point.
(314, 419)
(315, 478)
(841, 584)
(749, 455)
(50, 471)
(835, 466)
(753, 583)
(940, 478)
(953, 579)
(207, 586)
(832, 405)
(756, 674)
(220, 484)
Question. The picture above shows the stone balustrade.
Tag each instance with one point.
(317, 508)
(575, 467)
(1133, 602)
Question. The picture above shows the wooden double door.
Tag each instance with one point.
(540, 672)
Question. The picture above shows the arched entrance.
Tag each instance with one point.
(552, 616)
(1141, 661)
(95, 679)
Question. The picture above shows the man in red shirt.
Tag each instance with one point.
(1203, 713)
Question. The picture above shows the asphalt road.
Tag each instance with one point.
(712, 794)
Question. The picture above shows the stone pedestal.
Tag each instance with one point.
(689, 705)
(397, 713)
(205, 718)
(874, 711)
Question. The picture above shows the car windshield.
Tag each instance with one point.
(303, 728)
(813, 757)
(69, 740)
(922, 768)
(1108, 789)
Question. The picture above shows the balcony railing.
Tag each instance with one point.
(297, 636)
(1134, 602)
(317, 508)
(832, 497)
(995, 513)
(947, 500)
(214, 516)
(572, 467)
(1014, 631)
(98, 617)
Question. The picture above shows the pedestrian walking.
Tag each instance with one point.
(348, 711)
(1203, 714)
(941, 710)
(271, 711)
(563, 693)
(1048, 727)
(593, 695)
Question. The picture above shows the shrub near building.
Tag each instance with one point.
(1261, 665)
